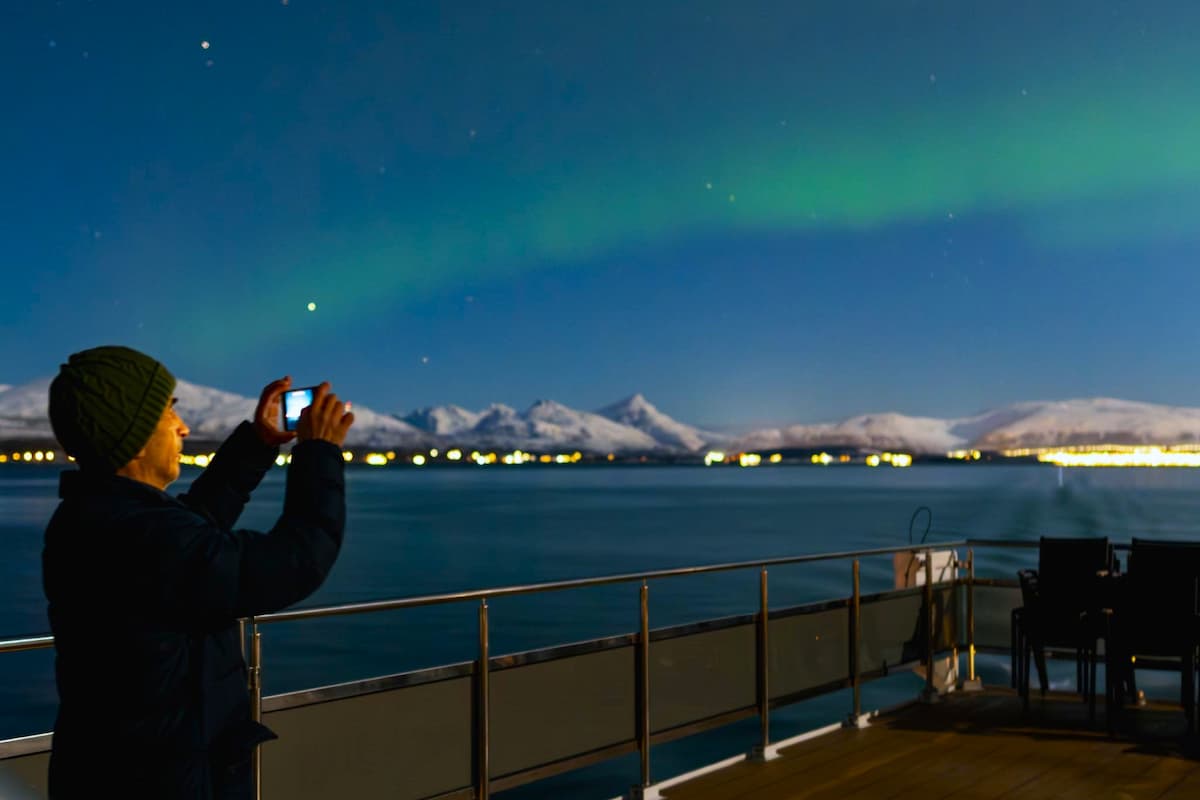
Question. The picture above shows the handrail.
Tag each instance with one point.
(483, 782)
(40, 642)
(553, 586)
(30, 643)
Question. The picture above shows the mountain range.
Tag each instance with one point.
(634, 426)
(1100, 420)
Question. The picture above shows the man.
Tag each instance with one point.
(144, 589)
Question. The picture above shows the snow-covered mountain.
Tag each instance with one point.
(631, 426)
(1102, 419)
(372, 429)
(870, 431)
(585, 431)
(23, 411)
(547, 425)
(499, 423)
(634, 425)
(443, 420)
(211, 414)
(1033, 424)
(638, 412)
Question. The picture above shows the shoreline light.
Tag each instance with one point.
(1133, 457)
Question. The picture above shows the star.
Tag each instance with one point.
(204, 45)
(312, 306)
(708, 184)
(424, 359)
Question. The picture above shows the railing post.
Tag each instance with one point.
(255, 671)
(929, 693)
(761, 751)
(972, 683)
(856, 719)
(483, 703)
(642, 790)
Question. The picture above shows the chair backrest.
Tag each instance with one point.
(1160, 600)
(1067, 570)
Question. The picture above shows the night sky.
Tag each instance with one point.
(752, 212)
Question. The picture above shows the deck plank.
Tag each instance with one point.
(975, 746)
(1186, 788)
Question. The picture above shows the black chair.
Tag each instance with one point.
(1060, 600)
(1156, 616)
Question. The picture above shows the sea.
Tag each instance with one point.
(420, 531)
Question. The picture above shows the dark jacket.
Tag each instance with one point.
(144, 591)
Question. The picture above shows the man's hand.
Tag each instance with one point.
(326, 418)
(266, 416)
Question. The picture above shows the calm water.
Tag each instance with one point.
(414, 532)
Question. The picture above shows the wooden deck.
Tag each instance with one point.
(976, 746)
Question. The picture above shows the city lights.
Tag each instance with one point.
(1132, 457)
(1140, 456)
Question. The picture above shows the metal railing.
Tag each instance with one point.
(482, 779)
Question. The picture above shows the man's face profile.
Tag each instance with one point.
(158, 462)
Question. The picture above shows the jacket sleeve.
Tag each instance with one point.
(223, 488)
(205, 575)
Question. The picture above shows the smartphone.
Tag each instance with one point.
(295, 401)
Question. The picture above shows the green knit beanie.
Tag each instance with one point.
(105, 404)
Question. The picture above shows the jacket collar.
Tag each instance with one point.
(77, 483)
